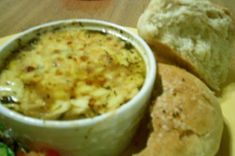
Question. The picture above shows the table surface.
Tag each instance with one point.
(18, 15)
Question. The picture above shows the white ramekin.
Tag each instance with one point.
(104, 135)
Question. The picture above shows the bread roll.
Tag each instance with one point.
(186, 117)
(196, 34)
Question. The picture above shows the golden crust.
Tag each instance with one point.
(186, 117)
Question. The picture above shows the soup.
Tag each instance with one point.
(71, 74)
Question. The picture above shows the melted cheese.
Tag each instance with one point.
(71, 74)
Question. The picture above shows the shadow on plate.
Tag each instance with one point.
(140, 138)
(225, 145)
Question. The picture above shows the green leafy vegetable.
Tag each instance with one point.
(5, 150)
(9, 143)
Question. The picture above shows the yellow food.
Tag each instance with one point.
(71, 74)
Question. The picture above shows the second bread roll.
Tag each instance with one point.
(186, 116)
(196, 34)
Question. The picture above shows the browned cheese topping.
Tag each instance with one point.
(72, 74)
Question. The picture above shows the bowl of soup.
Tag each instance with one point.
(79, 86)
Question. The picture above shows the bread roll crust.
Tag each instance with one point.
(186, 117)
(199, 36)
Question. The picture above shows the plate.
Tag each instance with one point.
(227, 101)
